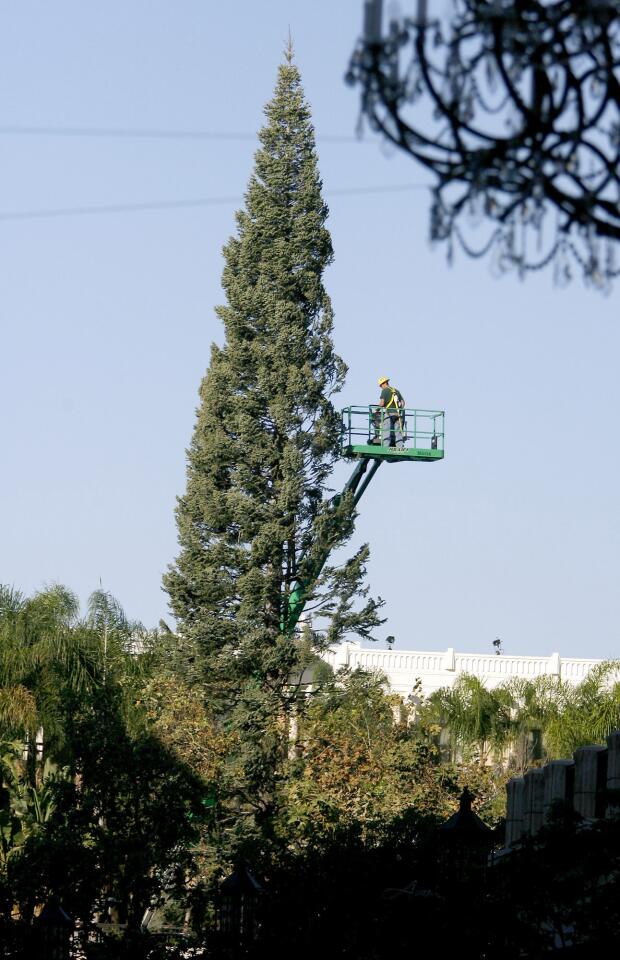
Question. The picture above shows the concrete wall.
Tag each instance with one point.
(582, 783)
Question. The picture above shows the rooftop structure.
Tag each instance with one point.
(435, 669)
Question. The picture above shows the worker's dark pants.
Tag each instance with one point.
(391, 430)
(376, 426)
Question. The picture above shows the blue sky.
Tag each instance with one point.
(107, 320)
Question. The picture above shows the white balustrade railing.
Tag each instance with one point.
(434, 669)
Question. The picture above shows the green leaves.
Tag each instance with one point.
(30, 805)
(528, 719)
(18, 708)
(254, 514)
(475, 717)
(41, 658)
(358, 763)
(584, 713)
(266, 433)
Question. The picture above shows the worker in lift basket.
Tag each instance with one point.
(390, 415)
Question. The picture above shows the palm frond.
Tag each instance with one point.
(11, 601)
(105, 612)
(18, 709)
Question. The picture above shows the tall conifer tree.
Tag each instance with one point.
(264, 444)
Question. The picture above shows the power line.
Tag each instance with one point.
(87, 211)
(84, 211)
(128, 133)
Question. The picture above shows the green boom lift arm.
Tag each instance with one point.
(361, 439)
(298, 597)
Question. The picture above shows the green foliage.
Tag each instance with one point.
(359, 763)
(137, 766)
(176, 747)
(264, 444)
(266, 434)
(92, 803)
(29, 804)
(584, 713)
(42, 659)
(523, 721)
(477, 719)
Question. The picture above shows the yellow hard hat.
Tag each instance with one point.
(383, 380)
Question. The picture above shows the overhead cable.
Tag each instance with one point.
(84, 211)
(130, 133)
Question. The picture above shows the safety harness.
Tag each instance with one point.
(393, 402)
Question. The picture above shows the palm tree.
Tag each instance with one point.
(587, 713)
(40, 657)
(528, 720)
(535, 705)
(476, 719)
(116, 641)
(49, 655)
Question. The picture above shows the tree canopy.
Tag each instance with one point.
(265, 441)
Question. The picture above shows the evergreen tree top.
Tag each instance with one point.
(267, 433)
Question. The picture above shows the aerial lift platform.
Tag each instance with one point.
(362, 434)
(423, 431)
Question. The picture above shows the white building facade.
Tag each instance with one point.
(435, 669)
